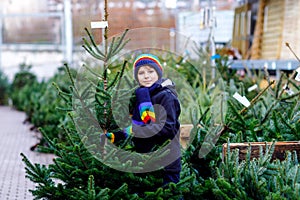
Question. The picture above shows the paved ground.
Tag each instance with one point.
(16, 138)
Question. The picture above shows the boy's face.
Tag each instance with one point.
(147, 75)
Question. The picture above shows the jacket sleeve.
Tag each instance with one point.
(166, 126)
(145, 112)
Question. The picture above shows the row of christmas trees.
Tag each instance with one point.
(83, 168)
(76, 107)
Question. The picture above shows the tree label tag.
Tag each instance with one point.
(288, 90)
(253, 87)
(243, 100)
(297, 78)
(99, 24)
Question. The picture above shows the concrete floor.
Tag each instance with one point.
(16, 138)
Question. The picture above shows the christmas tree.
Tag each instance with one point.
(86, 164)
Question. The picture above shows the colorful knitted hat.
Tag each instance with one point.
(147, 59)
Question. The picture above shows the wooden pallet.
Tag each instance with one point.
(258, 31)
(280, 151)
(241, 29)
(185, 130)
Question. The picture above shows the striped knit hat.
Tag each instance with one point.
(147, 59)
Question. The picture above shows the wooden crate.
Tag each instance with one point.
(279, 153)
(185, 130)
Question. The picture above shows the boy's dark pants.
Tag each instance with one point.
(172, 172)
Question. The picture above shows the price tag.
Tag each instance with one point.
(100, 24)
(253, 87)
(288, 90)
(297, 78)
(243, 100)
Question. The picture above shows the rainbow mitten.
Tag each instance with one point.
(128, 131)
(146, 111)
(119, 136)
(111, 137)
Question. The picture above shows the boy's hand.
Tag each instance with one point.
(119, 135)
(110, 136)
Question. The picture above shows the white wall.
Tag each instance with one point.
(23, 6)
(44, 64)
(189, 24)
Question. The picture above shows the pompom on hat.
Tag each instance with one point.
(147, 59)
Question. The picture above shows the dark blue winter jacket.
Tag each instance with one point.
(149, 137)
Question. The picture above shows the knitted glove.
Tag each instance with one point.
(111, 137)
(119, 135)
(146, 110)
(128, 131)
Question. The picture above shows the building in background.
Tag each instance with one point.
(123, 14)
(33, 31)
(262, 28)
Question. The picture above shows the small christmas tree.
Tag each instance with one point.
(4, 88)
(257, 178)
(89, 167)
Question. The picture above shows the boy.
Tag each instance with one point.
(155, 114)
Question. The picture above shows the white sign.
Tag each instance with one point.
(253, 87)
(100, 24)
(297, 78)
(243, 100)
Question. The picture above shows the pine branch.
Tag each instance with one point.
(92, 72)
(269, 111)
(37, 173)
(117, 79)
(69, 74)
(290, 97)
(89, 49)
(288, 45)
(253, 101)
(120, 191)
